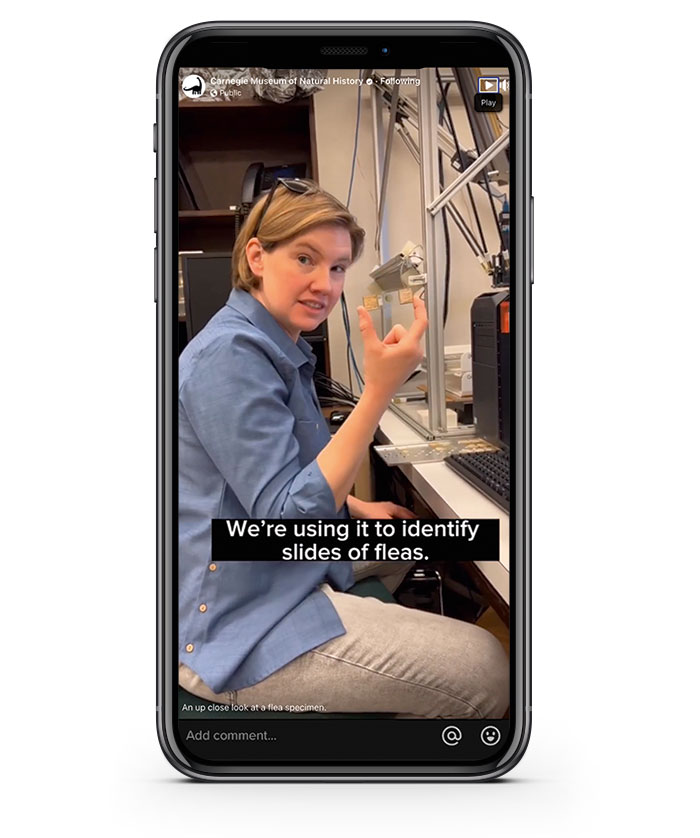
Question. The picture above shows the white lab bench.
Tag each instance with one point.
(448, 496)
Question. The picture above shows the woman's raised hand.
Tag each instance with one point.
(388, 363)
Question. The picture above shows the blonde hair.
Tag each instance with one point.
(289, 215)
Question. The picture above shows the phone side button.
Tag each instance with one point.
(155, 137)
(532, 240)
(155, 274)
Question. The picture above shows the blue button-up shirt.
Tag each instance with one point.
(250, 428)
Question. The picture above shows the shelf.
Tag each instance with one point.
(206, 215)
(191, 104)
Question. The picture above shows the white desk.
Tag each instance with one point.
(451, 497)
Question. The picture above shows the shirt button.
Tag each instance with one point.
(212, 566)
(189, 647)
(202, 608)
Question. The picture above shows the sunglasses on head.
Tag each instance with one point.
(293, 184)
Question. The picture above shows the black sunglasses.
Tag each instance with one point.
(293, 184)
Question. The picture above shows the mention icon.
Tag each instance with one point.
(451, 735)
(193, 86)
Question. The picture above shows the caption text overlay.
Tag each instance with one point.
(405, 539)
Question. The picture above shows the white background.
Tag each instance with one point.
(615, 436)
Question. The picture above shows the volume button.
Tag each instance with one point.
(155, 205)
(155, 274)
(155, 137)
(532, 240)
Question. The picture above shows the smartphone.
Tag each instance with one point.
(342, 277)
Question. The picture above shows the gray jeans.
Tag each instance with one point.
(392, 659)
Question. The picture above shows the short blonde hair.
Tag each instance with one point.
(289, 215)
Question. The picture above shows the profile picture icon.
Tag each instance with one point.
(193, 86)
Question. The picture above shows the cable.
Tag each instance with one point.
(443, 212)
(464, 164)
(343, 302)
(495, 213)
(487, 186)
(357, 133)
(347, 361)
(388, 145)
(346, 324)
(331, 391)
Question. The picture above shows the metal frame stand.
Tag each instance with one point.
(433, 140)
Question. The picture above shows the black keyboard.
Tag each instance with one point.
(488, 471)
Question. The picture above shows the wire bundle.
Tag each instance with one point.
(349, 353)
(331, 392)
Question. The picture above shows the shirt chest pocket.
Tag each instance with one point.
(312, 436)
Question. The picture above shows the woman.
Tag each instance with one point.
(253, 444)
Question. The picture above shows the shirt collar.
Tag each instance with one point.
(299, 353)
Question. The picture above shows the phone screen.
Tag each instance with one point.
(342, 421)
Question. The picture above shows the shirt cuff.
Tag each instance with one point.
(310, 496)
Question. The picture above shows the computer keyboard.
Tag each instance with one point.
(487, 471)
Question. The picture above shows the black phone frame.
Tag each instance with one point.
(209, 44)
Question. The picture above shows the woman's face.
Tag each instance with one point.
(301, 281)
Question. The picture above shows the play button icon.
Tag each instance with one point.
(488, 84)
